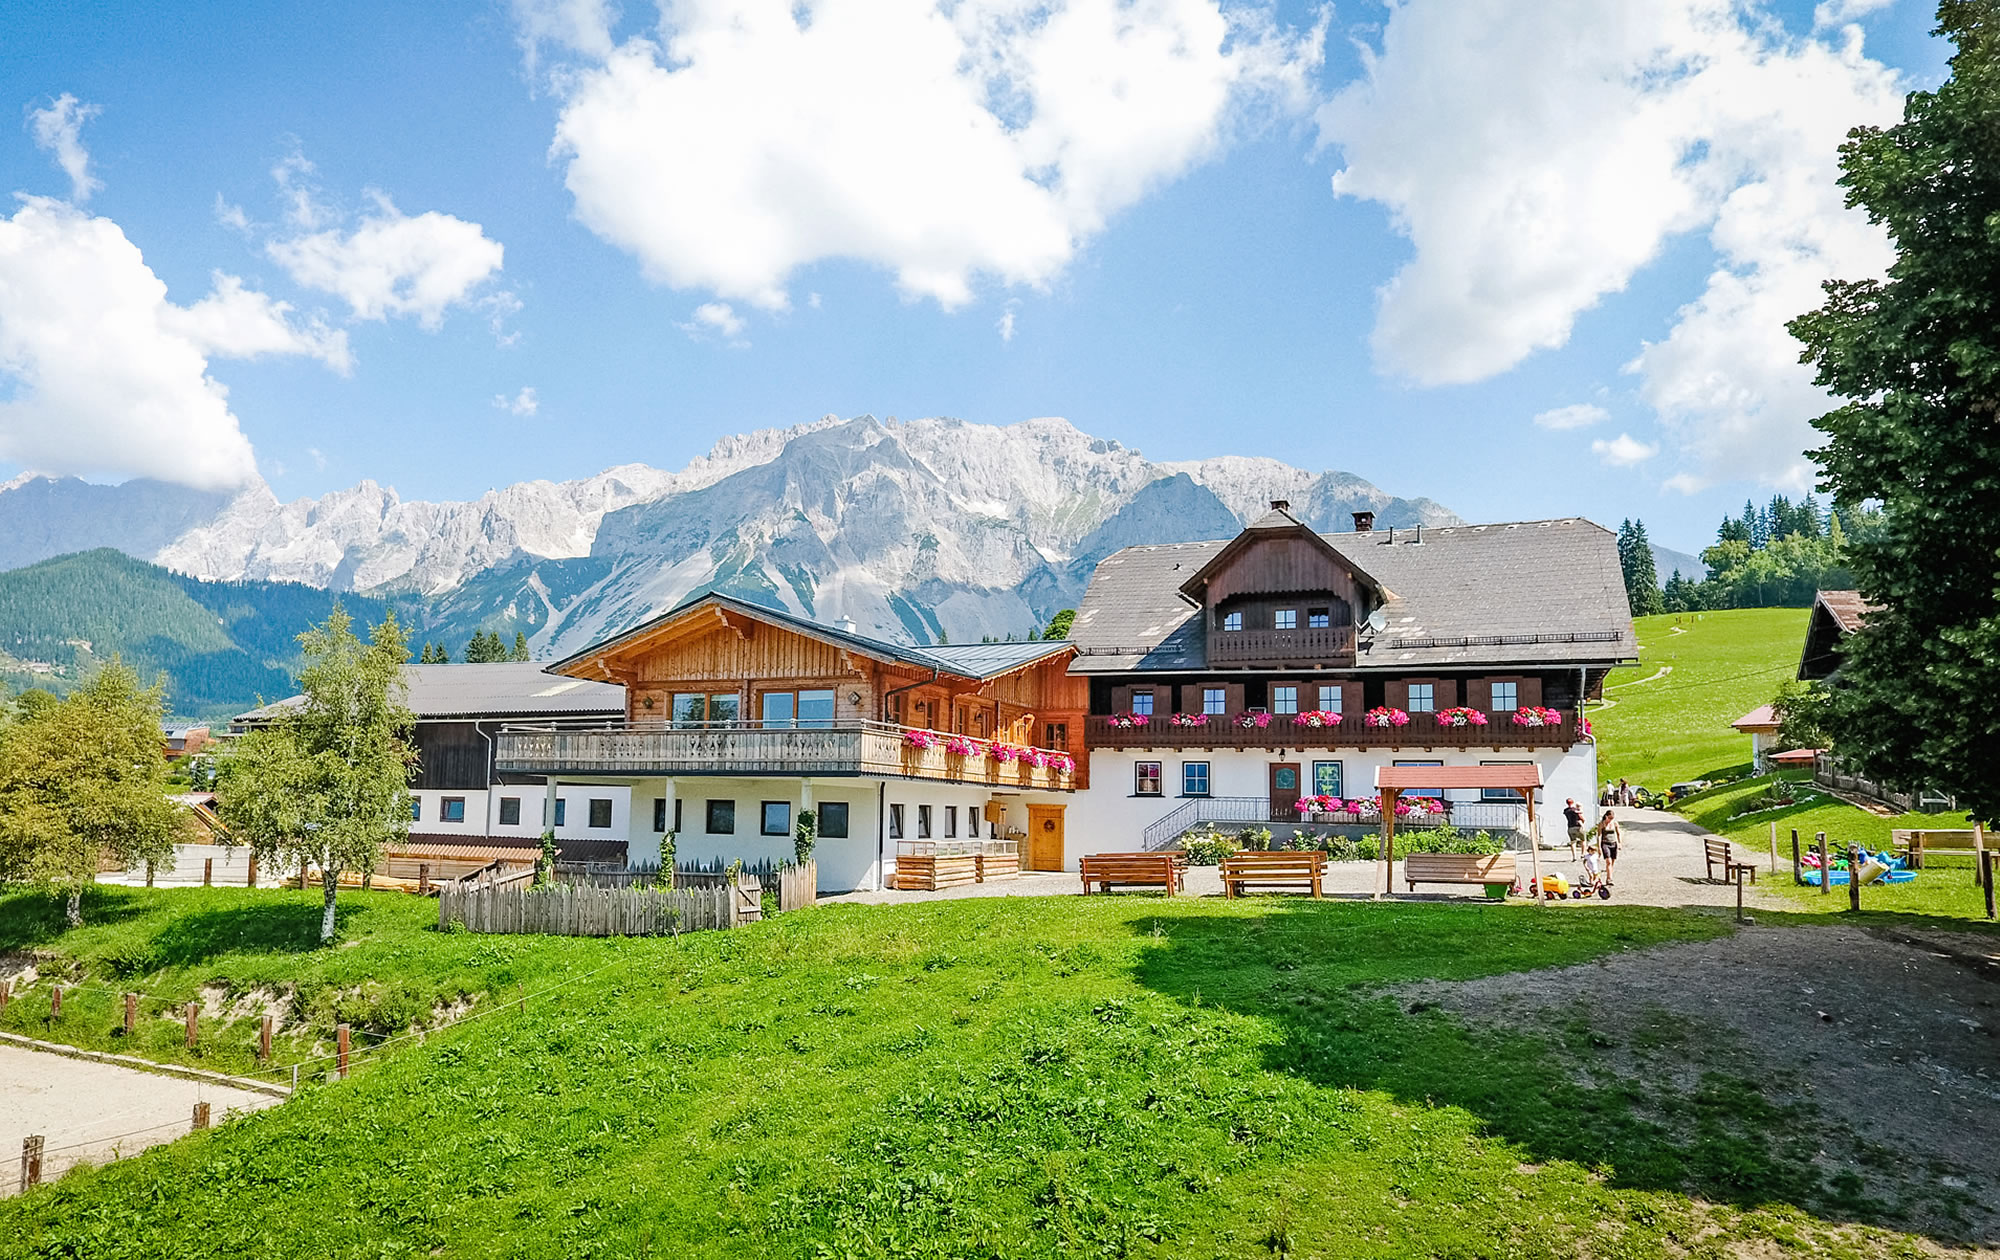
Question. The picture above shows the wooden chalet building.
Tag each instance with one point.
(1228, 679)
(737, 717)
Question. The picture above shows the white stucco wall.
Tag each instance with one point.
(482, 811)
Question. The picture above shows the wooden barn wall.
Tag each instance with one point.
(1281, 565)
(451, 757)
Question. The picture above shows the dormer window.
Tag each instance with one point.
(1232, 621)
(1318, 618)
(1285, 619)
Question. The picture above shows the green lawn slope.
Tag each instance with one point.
(1667, 719)
(990, 1077)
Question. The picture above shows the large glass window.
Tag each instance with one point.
(1285, 619)
(1422, 698)
(722, 709)
(1329, 698)
(776, 819)
(1142, 701)
(1327, 778)
(510, 811)
(816, 709)
(721, 818)
(779, 709)
(690, 708)
(1284, 699)
(1506, 697)
(1214, 700)
(833, 820)
(1194, 778)
(600, 812)
(1146, 778)
(1232, 621)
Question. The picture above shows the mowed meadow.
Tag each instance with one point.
(1062, 1076)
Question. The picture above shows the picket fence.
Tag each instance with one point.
(568, 910)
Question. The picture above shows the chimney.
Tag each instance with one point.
(1281, 505)
(1364, 522)
(844, 624)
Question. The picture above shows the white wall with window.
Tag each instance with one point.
(514, 811)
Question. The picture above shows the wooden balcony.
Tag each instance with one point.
(1279, 649)
(750, 750)
(1422, 732)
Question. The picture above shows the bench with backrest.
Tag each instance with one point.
(1717, 852)
(1458, 868)
(1279, 868)
(1930, 840)
(1163, 869)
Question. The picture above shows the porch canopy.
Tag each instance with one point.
(1392, 781)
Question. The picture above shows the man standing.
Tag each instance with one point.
(1573, 816)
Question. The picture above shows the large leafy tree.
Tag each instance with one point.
(1917, 357)
(327, 783)
(83, 779)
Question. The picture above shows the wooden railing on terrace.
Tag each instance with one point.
(750, 749)
(1423, 731)
(1321, 645)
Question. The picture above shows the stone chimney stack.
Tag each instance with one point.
(1364, 522)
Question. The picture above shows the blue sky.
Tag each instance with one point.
(1181, 276)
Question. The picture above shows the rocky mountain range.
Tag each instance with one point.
(917, 530)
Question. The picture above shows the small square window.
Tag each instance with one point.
(451, 809)
(600, 812)
(1327, 778)
(1147, 781)
(1142, 702)
(1214, 700)
(510, 811)
(1194, 778)
(1285, 619)
(1056, 735)
(951, 821)
(416, 809)
(1284, 699)
(1318, 618)
(660, 815)
(1506, 697)
(1329, 699)
(895, 822)
(776, 819)
(1232, 621)
(721, 818)
(833, 820)
(1422, 698)
(562, 811)
(923, 822)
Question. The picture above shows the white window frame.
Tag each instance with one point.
(1215, 700)
(1513, 697)
(1207, 778)
(1139, 778)
(1429, 704)
(1285, 619)
(1232, 620)
(1142, 701)
(1331, 697)
(1285, 699)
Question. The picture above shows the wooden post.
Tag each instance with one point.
(1980, 871)
(264, 1041)
(423, 879)
(1795, 857)
(1774, 847)
(208, 872)
(6, 994)
(250, 881)
(31, 1160)
(201, 1115)
(131, 1013)
(1986, 860)
(1388, 801)
(55, 1002)
(193, 1013)
(1825, 875)
(1535, 850)
(341, 1033)
(1853, 877)
(1739, 891)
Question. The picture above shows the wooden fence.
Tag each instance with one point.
(565, 910)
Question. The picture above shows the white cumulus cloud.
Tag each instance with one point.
(1840, 12)
(523, 403)
(1538, 156)
(1624, 450)
(388, 263)
(58, 130)
(1576, 416)
(942, 142)
(110, 377)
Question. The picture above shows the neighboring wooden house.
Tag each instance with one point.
(737, 717)
(1228, 679)
(183, 740)
(1835, 615)
(1761, 725)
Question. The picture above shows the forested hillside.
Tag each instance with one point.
(222, 645)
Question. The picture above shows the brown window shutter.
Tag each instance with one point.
(1479, 693)
(1235, 696)
(1447, 692)
(1396, 693)
(1121, 699)
(1531, 691)
(1352, 695)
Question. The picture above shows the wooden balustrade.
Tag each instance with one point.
(1423, 731)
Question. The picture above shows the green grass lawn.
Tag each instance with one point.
(1944, 888)
(1666, 730)
(991, 1077)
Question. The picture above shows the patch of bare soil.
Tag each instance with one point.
(1890, 1047)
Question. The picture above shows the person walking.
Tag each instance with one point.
(1608, 837)
(1573, 816)
(1624, 793)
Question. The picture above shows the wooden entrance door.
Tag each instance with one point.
(1285, 791)
(1045, 837)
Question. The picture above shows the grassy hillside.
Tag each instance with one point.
(222, 645)
(1101, 1076)
(1667, 720)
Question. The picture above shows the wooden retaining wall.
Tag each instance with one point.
(563, 910)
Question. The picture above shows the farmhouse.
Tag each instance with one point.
(1214, 681)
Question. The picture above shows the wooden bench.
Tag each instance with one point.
(1919, 842)
(1717, 852)
(1278, 868)
(1132, 870)
(1458, 868)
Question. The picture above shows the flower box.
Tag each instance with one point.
(1188, 719)
(1128, 721)
(960, 746)
(1316, 719)
(1253, 721)
(1535, 715)
(921, 740)
(1461, 716)
(1384, 716)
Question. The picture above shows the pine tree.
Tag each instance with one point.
(1642, 579)
(520, 647)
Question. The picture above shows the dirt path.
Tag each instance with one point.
(1893, 1048)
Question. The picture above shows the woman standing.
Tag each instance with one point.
(1608, 836)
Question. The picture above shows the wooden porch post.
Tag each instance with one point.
(1535, 848)
(1389, 798)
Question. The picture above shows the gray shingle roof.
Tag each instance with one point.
(1519, 593)
(491, 689)
(982, 660)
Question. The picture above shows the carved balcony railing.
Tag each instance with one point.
(751, 749)
(1423, 731)
(1323, 645)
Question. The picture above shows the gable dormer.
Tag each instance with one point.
(1281, 596)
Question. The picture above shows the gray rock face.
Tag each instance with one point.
(41, 517)
(917, 530)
